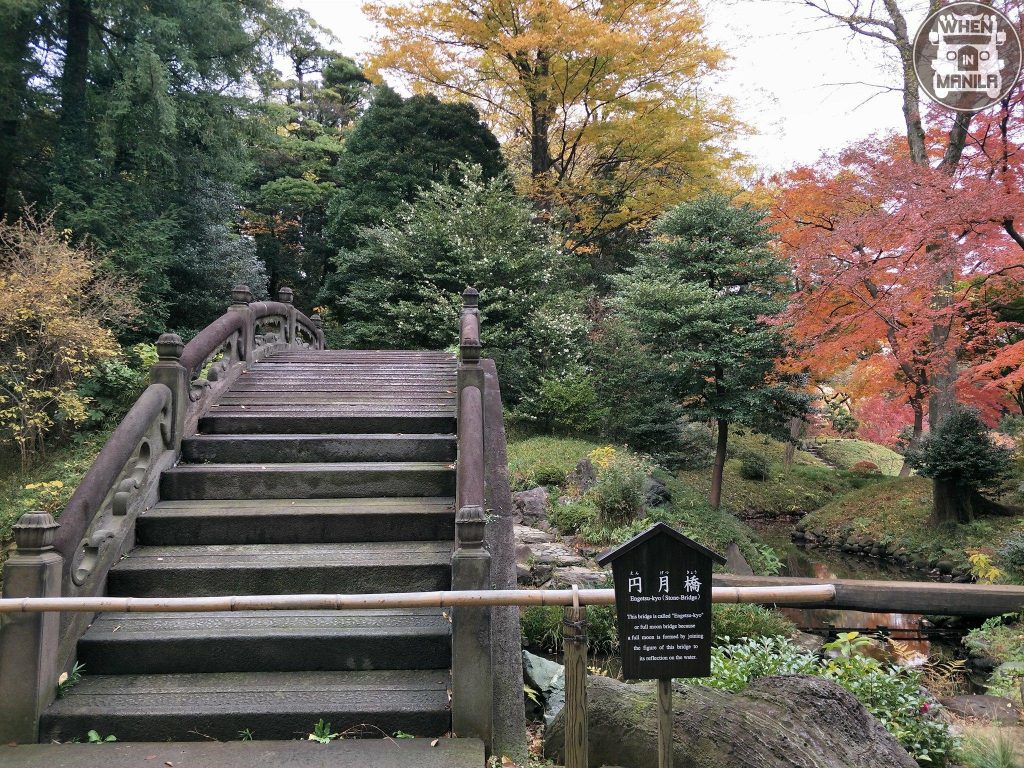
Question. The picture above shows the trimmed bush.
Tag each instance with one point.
(618, 491)
(754, 466)
(569, 403)
(865, 468)
(732, 623)
(571, 517)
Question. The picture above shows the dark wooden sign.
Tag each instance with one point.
(663, 600)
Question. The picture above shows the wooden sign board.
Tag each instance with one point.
(663, 600)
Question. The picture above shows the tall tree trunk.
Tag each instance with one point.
(915, 436)
(952, 503)
(73, 92)
(716, 475)
(16, 25)
(541, 114)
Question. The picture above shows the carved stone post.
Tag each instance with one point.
(241, 298)
(29, 641)
(171, 373)
(287, 296)
(472, 698)
(318, 323)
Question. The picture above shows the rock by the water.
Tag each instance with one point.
(735, 562)
(993, 709)
(547, 678)
(777, 722)
(529, 507)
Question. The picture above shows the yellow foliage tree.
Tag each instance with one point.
(598, 102)
(55, 319)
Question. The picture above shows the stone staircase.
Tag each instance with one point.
(316, 472)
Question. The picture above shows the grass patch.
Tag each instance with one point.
(543, 460)
(806, 485)
(547, 460)
(897, 512)
(56, 476)
(794, 491)
(843, 453)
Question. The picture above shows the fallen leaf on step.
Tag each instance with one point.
(507, 762)
(434, 742)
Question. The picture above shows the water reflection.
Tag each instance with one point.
(829, 564)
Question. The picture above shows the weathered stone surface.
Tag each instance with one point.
(547, 679)
(341, 753)
(656, 492)
(524, 534)
(808, 641)
(529, 506)
(583, 577)
(778, 722)
(735, 562)
(555, 554)
(583, 477)
(983, 707)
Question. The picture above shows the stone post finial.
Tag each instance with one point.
(35, 532)
(470, 297)
(169, 347)
(241, 294)
(286, 295)
(317, 320)
(471, 524)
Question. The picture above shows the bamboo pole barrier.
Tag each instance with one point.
(445, 599)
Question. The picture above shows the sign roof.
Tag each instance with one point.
(657, 529)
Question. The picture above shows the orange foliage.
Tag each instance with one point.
(871, 235)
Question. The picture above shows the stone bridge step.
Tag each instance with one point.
(235, 420)
(342, 753)
(272, 705)
(297, 521)
(308, 481)
(276, 569)
(317, 448)
(264, 641)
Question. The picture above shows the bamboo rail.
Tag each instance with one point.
(446, 599)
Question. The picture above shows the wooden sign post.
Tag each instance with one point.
(663, 601)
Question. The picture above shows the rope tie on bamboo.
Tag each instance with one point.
(579, 635)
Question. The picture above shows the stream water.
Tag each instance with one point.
(827, 563)
(831, 564)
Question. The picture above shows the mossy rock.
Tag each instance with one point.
(777, 722)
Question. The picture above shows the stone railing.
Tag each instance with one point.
(471, 561)
(97, 526)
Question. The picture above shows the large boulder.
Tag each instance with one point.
(777, 722)
(582, 478)
(546, 679)
(529, 507)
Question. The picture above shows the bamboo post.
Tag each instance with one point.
(665, 723)
(574, 645)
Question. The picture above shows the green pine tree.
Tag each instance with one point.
(702, 302)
